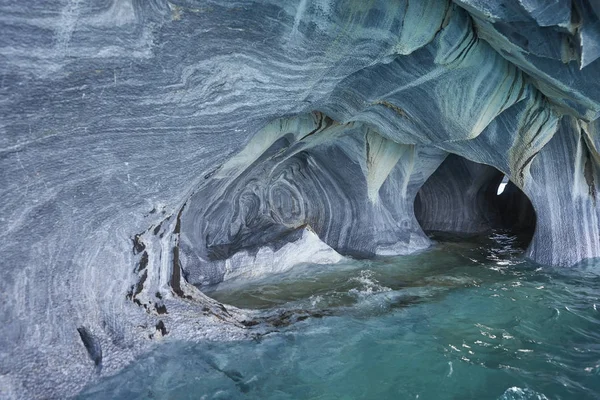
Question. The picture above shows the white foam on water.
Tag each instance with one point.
(517, 393)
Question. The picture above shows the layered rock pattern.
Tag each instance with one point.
(148, 145)
(344, 182)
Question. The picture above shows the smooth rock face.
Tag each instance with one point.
(146, 146)
(566, 207)
(352, 187)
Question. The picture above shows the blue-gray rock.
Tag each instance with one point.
(146, 146)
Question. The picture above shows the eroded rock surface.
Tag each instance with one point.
(146, 146)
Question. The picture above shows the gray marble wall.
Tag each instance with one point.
(127, 160)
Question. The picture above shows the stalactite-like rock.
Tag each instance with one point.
(553, 43)
(146, 146)
(351, 186)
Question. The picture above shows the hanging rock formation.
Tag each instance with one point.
(150, 146)
(353, 188)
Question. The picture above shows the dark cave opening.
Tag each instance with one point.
(465, 197)
(516, 212)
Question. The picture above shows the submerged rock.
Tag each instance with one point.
(225, 138)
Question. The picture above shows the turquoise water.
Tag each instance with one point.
(468, 319)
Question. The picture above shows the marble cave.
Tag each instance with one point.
(155, 155)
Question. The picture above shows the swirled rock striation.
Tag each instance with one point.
(148, 148)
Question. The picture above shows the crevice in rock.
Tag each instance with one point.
(92, 345)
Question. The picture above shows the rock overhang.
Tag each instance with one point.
(126, 120)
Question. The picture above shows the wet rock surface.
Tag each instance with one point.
(150, 146)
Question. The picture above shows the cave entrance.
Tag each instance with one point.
(516, 211)
(502, 186)
(465, 197)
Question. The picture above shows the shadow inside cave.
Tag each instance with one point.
(467, 198)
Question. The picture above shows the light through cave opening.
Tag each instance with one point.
(466, 197)
(502, 185)
(137, 168)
